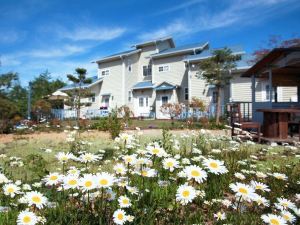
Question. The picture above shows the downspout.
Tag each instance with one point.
(123, 79)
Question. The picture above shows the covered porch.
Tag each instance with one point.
(276, 91)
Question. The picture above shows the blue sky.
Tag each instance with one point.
(61, 35)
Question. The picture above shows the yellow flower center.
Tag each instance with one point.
(120, 216)
(284, 204)
(53, 177)
(155, 151)
(103, 182)
(36, 199)
(119, 170)
(214, 165)
(72, 182)
(26, 219)
(144, 173)
(259, 187)
(286, 217)
(64, 158)
(170, 164)
(10, 190)
(186, 193)
(243, 190)
(88, 184)
(274, 221)
(125, 201)
(195, 173)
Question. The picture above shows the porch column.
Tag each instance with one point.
(253, 94)
(270, 86)
(298, 94)
(123, 80)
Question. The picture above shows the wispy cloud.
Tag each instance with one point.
(184, 5)
(236, 12)
(91, 33)
(60, 51)
(10, 36)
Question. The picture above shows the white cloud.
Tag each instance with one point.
(238, 12)
(61, 51)
(91, 33)
(184, 5)
(10, 36)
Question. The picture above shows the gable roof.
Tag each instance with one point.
(154, 41)
(143, 85)
(190, 48)
(165, 86)
(269, 59)
(117, 55)
(95, 80)
(236, 50)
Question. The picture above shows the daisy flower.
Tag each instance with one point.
(64, 157)
(124, 201)
(240, 176)
(88, 157)
(73, 171)
(120, 169)
(119, 217)
(288, 217)
(27, 218)
(148, 172)
(242, 190)
(156, 150)
(88, 182)
(220, 216)
(105, 180)
(280, 176)
(70, 182)
(261, 201)
(284, 204)
(185, 194)
(129, 159)
(110, 195)
(215, 166)
(52, 179)
(170, 164)
(273, 219)
(196, 173)
(35, 198)
(3, 179)
(259, 186)
(11, 190)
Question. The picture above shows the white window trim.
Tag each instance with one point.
(105, 71)
(169, 68)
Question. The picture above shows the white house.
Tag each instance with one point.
(156, 72)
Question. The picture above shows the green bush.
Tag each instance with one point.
(101, 124)
(115, 125)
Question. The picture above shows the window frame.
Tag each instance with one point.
(141, 103)
(162, 101)
(186, 93)
(147, 70)
(164, 68)
(105, 71)
(129, 96)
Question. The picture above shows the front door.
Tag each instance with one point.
(142, 105)
(161, 100)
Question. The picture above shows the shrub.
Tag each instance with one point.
(101, 124)
(115, 125)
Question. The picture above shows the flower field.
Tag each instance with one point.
(192, 178)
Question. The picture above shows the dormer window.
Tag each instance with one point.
(147, 70)
(104, 72)
(164, 68)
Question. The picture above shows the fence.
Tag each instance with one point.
(62, 114)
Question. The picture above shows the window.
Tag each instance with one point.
(129, 96)
(93, 98)
(129, 66)
(105, 101)
(141, 102)
(147, 70)
(186, 94)
(164, 100)
(105, 72)
(215, 97)
(146, 101)
(163, 68)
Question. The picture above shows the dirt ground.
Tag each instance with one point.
(6, 138)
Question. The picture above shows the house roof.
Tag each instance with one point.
(165, 86)
(268, 59)
(95, 80)
(143, 85)
(117, 55)
(193, 48)
(151, 42)
(238, 50)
